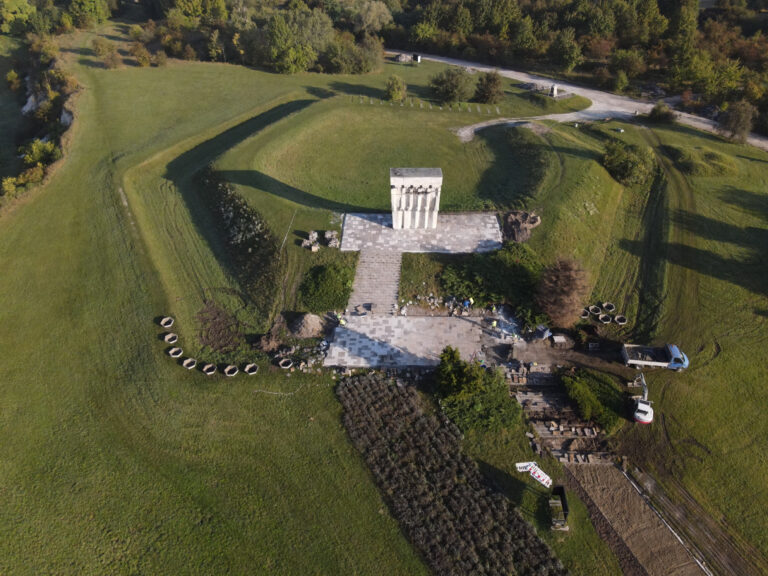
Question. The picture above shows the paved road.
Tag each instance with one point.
(604, 104)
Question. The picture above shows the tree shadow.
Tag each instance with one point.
(260, 181)
(516, 489)
(319, 92)
(749, 201)
(356, 89)
(749, 272)
(184, 170)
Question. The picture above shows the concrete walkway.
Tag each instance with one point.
(377, 280)
(391, 341)
(455, 233)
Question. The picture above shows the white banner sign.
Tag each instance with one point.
(533, 469)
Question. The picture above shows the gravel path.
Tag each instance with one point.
(604, 104)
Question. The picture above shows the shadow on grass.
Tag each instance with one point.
(184, 172)
(749, 272)
(261, 181)
(516, 489)
(521, 162)
(356, 89)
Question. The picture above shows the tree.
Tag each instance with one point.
(562, 291)
(215, 47)
(452, 85)
(287, 52)
(661, 114)
(565, 50)
(621, 82)
(627, 163)
(372, 17)
(396, 89)
(87, 13)
(631, 62)
(685, 23)
(14, 82)
(737, 120)
(14, 15)
(490, 89)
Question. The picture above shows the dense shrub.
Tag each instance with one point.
(629, 164)
(327, 287)
(39, 152)
(113, 60)
(452, 85)
(490, 89)
(472, 396)
(437, 494)
(142, 55)
(251, 250)
(661, 113)
(102, 46)
(508, 276)
(396, 89)
(597, 398)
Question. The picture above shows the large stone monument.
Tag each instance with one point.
(415, 196)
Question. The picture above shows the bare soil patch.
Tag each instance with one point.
(636, 524)
(219, 329)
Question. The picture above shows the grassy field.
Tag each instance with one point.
(122, 463)
(580, 549)
(685, 259)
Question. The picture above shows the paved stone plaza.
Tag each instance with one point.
(455, 233)
(389, 341)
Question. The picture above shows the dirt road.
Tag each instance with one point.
(604, 104)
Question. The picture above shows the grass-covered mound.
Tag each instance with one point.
(326, 288)
(338, 158)
(701, 161)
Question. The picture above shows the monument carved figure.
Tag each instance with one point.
(415, 196)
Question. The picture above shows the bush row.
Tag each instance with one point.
(251, 249)
(437, 494)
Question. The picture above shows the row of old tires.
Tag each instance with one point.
(604, 313)
(209, 369)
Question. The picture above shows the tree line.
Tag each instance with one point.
(713, 57)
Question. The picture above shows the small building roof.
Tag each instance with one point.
(415, 173)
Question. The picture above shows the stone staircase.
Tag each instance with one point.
(377, 281)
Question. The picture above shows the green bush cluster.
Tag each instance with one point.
(597, 397)
(472, 396)
(701, 161)
(252, 252)
(629, 164)
(508, 276)
(326, 287)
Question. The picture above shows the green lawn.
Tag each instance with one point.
(121, 463)
(684, 258)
